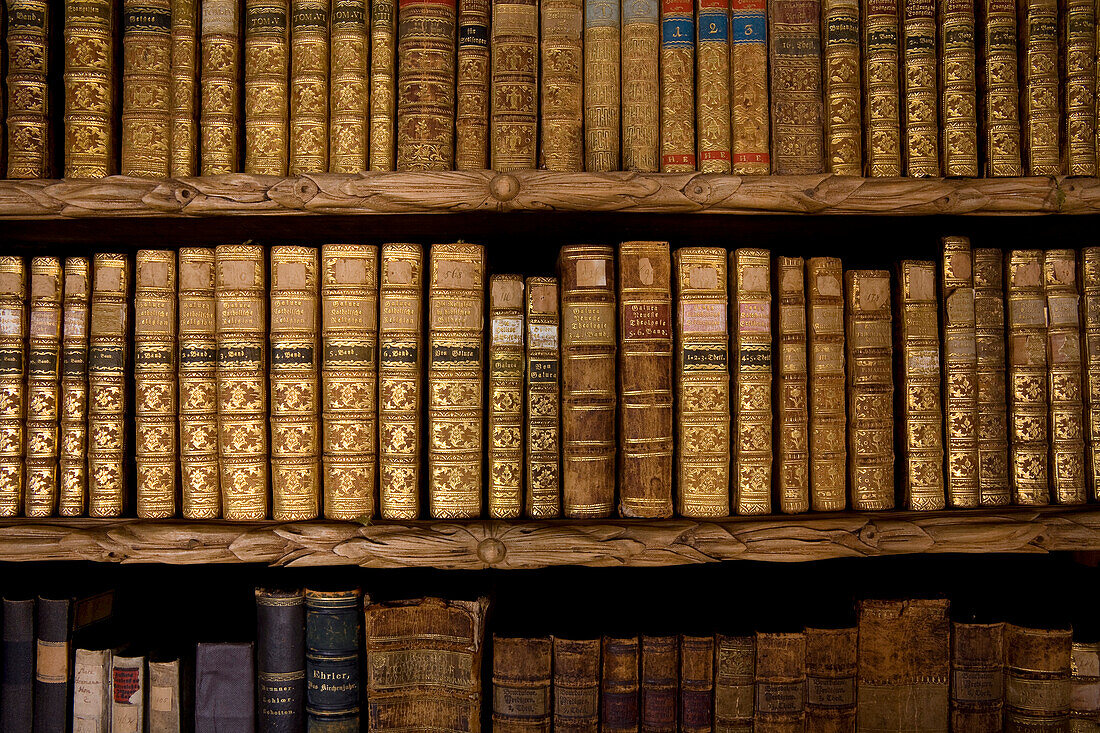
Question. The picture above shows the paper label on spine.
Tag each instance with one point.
(978, 685)
(160, 699)
(753, 317)
(780, 697)
(507, 331)
(589, 324)
(703, 278)
(521, 702)
(11, 321)
(703, 318)
(542, 336)
(831, 692)
(592, 273)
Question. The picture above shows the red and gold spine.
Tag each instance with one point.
(641, 134)
(750, 324)
(72, 466)
(1089, 285)
(960, 375)
(13, 336)
(543, 430)
(107, 364)
(426, 85)
(841, 76)
(221, 85)
(561, 123)
(989, 331)
(1040, 87)
(473, 93)
(881, 90)
(383, 75)
(515, 89)
(28, 113)
(958, 88)
(43, 399)
(266, 86)
(825, 327)
(146, 75)
(796, 104)
(349, 104)
(184, 131)
(712, 84)
(89, 89)
(1000, 97)
(506, 396)
(919, 77)
(792, 394)
(1078, 48)
(749, 108)
(677, 86)
(602, 91)
(309, 88)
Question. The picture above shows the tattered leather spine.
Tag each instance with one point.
(426, 85)
(989, 332)
(220, 83)
(696, 711)
(641, 124)
(958, 88)
(602, 93)
(828, 457)
(349, 101)
(960, 375)
(881, 89)
(561, 106)
(677, 86)
(473, 85)
(831, 680)
(1084, 697)
(792, 394)
(266, 86)
(183, 90)
(514, 95)
(840, 38)
(506, 397)
(383, 78)
(794, 38)
(73, 440)
(1037, 678)
(543, 433)
(1000, 97)
(521, 684)
(660, 672)
(977, 677)
(919, 76)
(619, 685)
(1067, 441)
(712, 83)
(28, 113)
(1040, 87)
(576, 685)
(89, 90)
(1078, 49)
(43, 399)
(146, 72)
(1089, 276)
(108, 360)
(309, 87)
(780, 683)
(749, 109)
(734, 683)
(750, 282)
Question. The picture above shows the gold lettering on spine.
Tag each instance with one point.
(919, 76)
(220, 111)
(383, 42)
(543, 435)
(107, 364)
(958, 88)
(1067, 441)
(184, 132)
(73, 467)
(749, 108)
(13, 331)
(349, 106)
(712, 76)
(562, 95)
(843, 126)
(506, 396)
(146, 73)
(960, 374)
(426, 85)
(989, 330)
(266, 65)
(677, 86)
(795, 55)
(1040, 87)
(515, 84)
(44, 358)
(881, 87)
(1001, 96)
(1089, 275)
(472, 113)
(89, 97)
(792, 394)
(828, 459)
(28, 116)
(309, 70)
(602, 110)
(750, 270)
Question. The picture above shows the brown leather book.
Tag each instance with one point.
(576, 685)
(780, 705)
(798, 130)
(977, 677)
(1037, 678)
(619, 686)
(426, 48)
(734, 677)
(696, 684)
(1084, 696)
(660, 676)
(521, 684)
(831, 680)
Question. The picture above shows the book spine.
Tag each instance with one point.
(349, 377)
(514, 94)
(309, 88)
(146, 72)
(295, 384)
(349, 105)
(641, 98)
(333, 632)
(921, 95)
(455, 375)
(881, 93)
(792, 394)
(870, 390)
(734, 680)
(266, 87)
(198, 385)
(1037, 678)
(1000, 97)
(184, 133)
(619, 686)
(749, 108)
(989, 320)
(645, 380)
(1039, 86)
(840, 34)
(960, 375)
(958, 88)
(220, 86)
(831, 680)
(696, 704)
(750, 281)
(240, 301)
(1084, 687)
(561, 124)
(400, 333)
(543, 429)
(1028, 398)
(659, 682)
(712, 80)
(280, 660)
(1089, 276)
(155, 403)
(576, 685)
(780, 683)
(1078, 48)
(506, 396)
(588, 368)
(1067, 442)
(602, 111)
(127, 694)
(828, 459)
(43, 398)
(426, 85)
(28, 116)
(224, 687)
(165, 712)
(677, 86)
(521, 685)
(89, 90)
(52, 688)
(977, 676)
(108, 359)
(13, 336)
(383, 99)
(473, 83)
(17, 647)
(702, 382)
(798, 143)
(73, 441)
(92, 691)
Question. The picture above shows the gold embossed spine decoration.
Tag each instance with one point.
(794, 38)
(155, 395)
(13, 331)
(73, 440)
(146, 74)
(108, 360)
(506, 396)
(919, 76)
(641, 97)
(183, 132)
(28, 115)
(220, 87)
(456, 306)
(989, 331)
(383, 99)
(309, 88)
(677, 86)
(349, 377)
(349, 104)
(840, 36)
(750, 273)
(734, 676)
(702, 382)
(960, 375)
(1078, 49)
(792, 415)
(43, 400)
(712, 83)
(1000, 96)
(958, 88)
(543, 430)
(561, 124)
(602, 92)
(473, 85)
(1037, 678)
(266, 90)
(426, 85)
(749, 108)
(240, 313)
(514, 93)
(1089, 285)
(825, 311)
(881, 88)
(89, 92)
(1040, 87)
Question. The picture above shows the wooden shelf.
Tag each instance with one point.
(535, 544)
(425, 192)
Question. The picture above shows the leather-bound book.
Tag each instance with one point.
(506, 397)
(89, 89)
(17, 662)
(266, 86)
(881, 89)
(660, 674)
(825, 313)
(989, 320)
(220, 82)
(677, 70)
(514, 90)
(792, 410)
(127, 693)
(1089, 286)
(749, 108)
(309, 87)
(734, 683)
(588, 390)
(426, 85)
(92, 678)
(155, 404)
(960, 374)
(840, 39)
(780, 704)
(696, 705)
(13, 334)
(831, 680)
(521, 684)
(561, 103)
(1084, 694)
(224, 688)
(166, 711)
(576, 685)
(645, 380)
(641, 85)
(702, 382)
(543, 428)
(349, 100)
(1078, 49)
(999, 100)
(146, 71)
(750, 324)
(383, 79)
(472, 103)
(1067, 439)
(712, 85)
(28, 115)
(919, 79)
(456, 306)
(619, 712)
(1037, 678)
(794, 39)
(52, 681)
(295, 384)
(958, 88)
(602, 93)
(349, 378)
(43, 398)
(1040, 90)
(333, 641)
(446, 638)
(183, 90)
(73, 402)
(280, 660)
(977, 677)
(107, 367)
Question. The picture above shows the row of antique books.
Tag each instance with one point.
(618, 379)
(874, 87)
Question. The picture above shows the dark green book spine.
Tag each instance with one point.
(333, 632)
(281, 660)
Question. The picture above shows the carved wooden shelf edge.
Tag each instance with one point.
(427, 192)
(519, 545)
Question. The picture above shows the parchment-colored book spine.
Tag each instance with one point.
(750, 274)
(561, 108)
(349, 378)
(295, 384)
(602, 93)
(919, 374)
(73, 467)
(749, 108)
(919, 77)
(198, 385)
(383, 76)
(641, 85)
(734, 677)
(702, 382)
(146, 74)
(1084, 687)
(712, 84)
(426, 85)
(13, 334)
(977, 677)
(349, 104)
(155, 403)
(182, 86)
(645, 380)
(543, 434)
(780, 683)
(881, 88)
(241, 322)
(515, 84)
(266, 86)
(843, 126)
(825, 312)
(958, 88)
(989, 331)
(831, 680)
(798, 145)
(473, 84)
(309, 88)
(870, 390)
(1040, 87)
(401, 337)
(89, 89)
(677, 86)
(1028, 398)
(960, 375)
(506, 396)
(792, 393)
(1078, 48)
(220, 85)
(1089, 275)
(1000, 96)
(1037, 678)
(28, 113)
(1067, 439)
(456, 305)
(43, 359)
(107, 363)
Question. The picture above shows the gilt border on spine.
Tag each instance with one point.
(108, 360)
(750, 324)
(506, 396)
(73, 441)
(43, 398)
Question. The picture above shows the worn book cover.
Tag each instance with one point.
(1077, 41)
(712, 83)
(989, 321)
(1067, 441)
(92, 679)
(831, 680)
(183, 136)
(958, 79)
(696, 706)
(473, 85)
(281, 659)
(426, 85)
(999, 100)
(576, 685)
(977, 677)
(73, 439)
(543, 426)
(514, 94)
(602, 93)
(167, 710)
(383, 79)
(825, 313)
(750, 283)
(128, 690)
(791, 388)
(619, 685)
(919, 79)
(28, 115)
(220, 67)
(734, 680)
(1040, 88)
(840, 38)
(749, 108)
(641, 85)
(89, 90)
(43, 398)
(677, 70)
(561, 103)
(780, 705)
(1084, 695)
(309, 86)
(794, 39)
(1089, 286)
(146, 72)
(1037, 678)
(960, 374)
(17, 651)
(521, 684)
(660, 673)
(881, 87)
(506, 396)
(225, 690)
(266, 86)
(349, 100)
(108, 361)
(332, 663)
